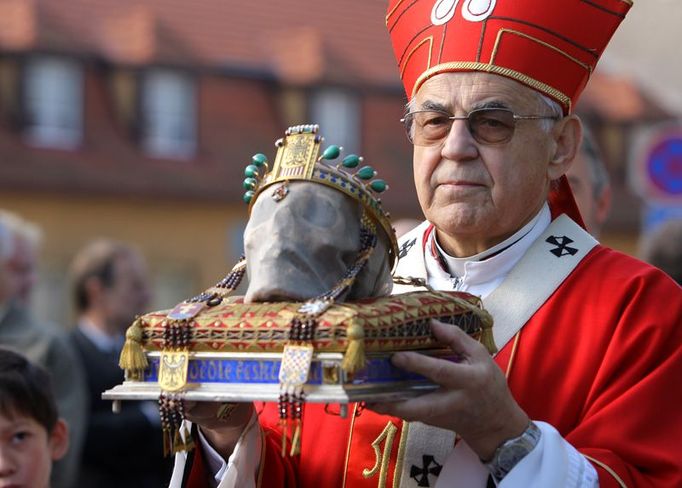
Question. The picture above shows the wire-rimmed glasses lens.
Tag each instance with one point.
(486, 125)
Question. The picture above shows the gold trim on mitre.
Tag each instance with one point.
(586, 67)
(491, 68)
(389, 14)
(412, 51)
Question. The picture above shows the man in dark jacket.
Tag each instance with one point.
(110, 289)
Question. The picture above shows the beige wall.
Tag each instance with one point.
(187, 244)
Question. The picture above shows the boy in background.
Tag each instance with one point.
(31, 434)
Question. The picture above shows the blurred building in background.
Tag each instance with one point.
(134, 120)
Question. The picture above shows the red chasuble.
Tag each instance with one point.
(600, 361)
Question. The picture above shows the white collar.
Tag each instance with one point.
(479, 275)
(242, 465)
(101, 340)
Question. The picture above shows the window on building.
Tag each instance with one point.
(169, 114)
(54, 102)
(338, 114)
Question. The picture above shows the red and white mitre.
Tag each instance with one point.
(551, 46)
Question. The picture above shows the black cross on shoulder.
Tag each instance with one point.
(405, 248)
(429, 466)
(562, 246)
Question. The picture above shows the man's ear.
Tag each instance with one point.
(568, 134)
(59, 440)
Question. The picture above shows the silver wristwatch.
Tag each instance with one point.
(512, 451)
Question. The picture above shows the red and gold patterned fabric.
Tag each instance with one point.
(397, 322)
(551, 47)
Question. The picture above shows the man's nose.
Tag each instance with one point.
(459, 144)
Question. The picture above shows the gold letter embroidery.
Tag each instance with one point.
(382, 459)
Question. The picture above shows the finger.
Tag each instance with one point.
(439, 370)
(457, 340)
(421, 408)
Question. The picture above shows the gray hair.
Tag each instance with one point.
(599, 174)
(12, 226)
(555, 110)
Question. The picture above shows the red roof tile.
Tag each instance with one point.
(17, 24)
(299, 40)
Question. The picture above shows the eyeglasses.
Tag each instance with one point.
(486, 125)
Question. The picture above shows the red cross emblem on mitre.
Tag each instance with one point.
(551, 46)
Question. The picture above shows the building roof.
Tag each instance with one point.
(620, 99)
(297, 41)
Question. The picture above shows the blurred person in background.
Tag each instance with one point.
(110, 288)
(44, 344)
(590, 184)
(21, 265)
(663, 249)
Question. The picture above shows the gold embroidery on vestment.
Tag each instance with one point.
(512, 355)
(402, 444)
(382, 459)
(350, 440)
(608, 470)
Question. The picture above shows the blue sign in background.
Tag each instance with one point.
(657, 214)
(664, 165)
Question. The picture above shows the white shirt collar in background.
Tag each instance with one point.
(102, 341)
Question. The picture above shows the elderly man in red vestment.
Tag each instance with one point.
(583, 391)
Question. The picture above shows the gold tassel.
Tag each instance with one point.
(354, 359)
(132, 357)
(487, 338)
(296, 440)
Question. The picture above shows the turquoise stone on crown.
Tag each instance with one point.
(351, 161)
(332, 152)
(249, 183)
(251, 171)
(259, 159)
(366, 173)
(378, 186)
(248, 196)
